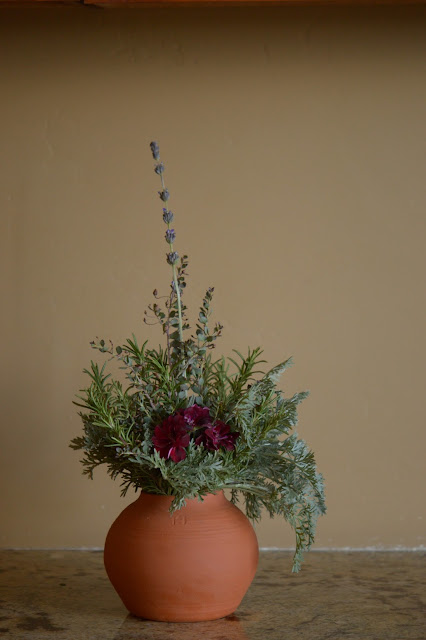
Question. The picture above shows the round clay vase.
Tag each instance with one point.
(194, 565)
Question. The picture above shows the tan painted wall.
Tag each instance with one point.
(295, 146)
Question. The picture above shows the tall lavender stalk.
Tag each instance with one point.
(172, 256)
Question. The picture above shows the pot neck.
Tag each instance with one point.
(164, 502)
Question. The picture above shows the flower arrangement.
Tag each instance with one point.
(185, 424)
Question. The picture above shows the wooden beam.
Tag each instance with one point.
(32, 3)
(221, 3)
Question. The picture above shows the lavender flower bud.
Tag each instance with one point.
(164, 195)
(172, 257)
(159, 168)
(155, 150)
(167, 216)
(170, 236)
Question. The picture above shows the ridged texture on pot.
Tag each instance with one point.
(194, 565)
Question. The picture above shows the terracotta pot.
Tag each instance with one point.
(194, 565)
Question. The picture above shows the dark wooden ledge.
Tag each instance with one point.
(221, 3)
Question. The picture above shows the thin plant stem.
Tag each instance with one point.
(175, 280)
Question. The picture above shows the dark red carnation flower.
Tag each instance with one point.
(218, 435)
(171, 437)
(196, 416)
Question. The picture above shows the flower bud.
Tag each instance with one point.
(159, 168)
(170, 236)
(172, 257)
(164, 195)
(167, 216)
(155, 150)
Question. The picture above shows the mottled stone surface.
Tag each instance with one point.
(66, 595)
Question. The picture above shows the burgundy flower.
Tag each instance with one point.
(171, 437)
(196, 416)
(218, 435)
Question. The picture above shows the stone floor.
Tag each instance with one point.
(66, 595)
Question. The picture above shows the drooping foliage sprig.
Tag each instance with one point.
(185, 424)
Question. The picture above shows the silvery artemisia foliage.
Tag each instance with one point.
(270, 468)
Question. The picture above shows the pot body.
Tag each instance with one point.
(196, 564)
